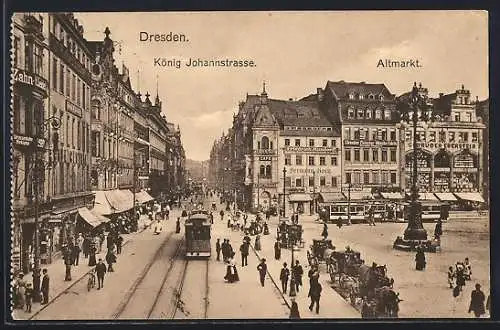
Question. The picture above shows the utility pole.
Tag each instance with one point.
(349, 203)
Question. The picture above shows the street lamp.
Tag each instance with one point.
(314, 192)
(293, 292)
(349, 186)
(413, 112)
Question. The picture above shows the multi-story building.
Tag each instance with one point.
(371, 138)
(483, 112)
(450, 148)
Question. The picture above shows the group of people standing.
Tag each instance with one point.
(24, 295)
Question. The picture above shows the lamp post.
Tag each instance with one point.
(293, 292)
(258, 190)
(349, 203)
(284, 196)
(314, 192)
(415, 232)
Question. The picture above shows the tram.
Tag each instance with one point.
(359, 212)
(197, 231)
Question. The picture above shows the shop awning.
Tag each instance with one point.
(127, 198)
(143, 197)
(392, 195)
(446, 196)
(470, 196)
(91, 217)
(102, 205)
(119, 200)
(426, 196)
(300, 198)
(358, 195)
(329, 197)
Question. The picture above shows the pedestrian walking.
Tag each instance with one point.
(178, 225)
(110, 260)
(218, 249)
(86, 246)
(244, 254)
(76, 253)
(467, 269)
(21, 291)
(339, 222)
(451, 276)
(28, 296)
(67, 262)
(420, 259)
(277, 250)
(315, 295)
(45, 286)
(92, 253)
(224, 250)
(297, 272)
(79, 243)
(477, 301)
(438, 230)
(119, 243)
(294, 311)
(460, 275)
(284, 275)
(100, 270)
(325, 231)
(257, 245)
(262, 268)
(221, 215)
(313, 275)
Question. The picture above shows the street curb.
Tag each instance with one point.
(272, 280)
(69, 287)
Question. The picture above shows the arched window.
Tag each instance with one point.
(442, 159)
(268, 171)
(262, 172)
(378, 114)
(264, 144)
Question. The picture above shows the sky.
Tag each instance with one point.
(294, 53)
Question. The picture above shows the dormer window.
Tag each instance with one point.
(387, 114)
(351, 96)
(371, 96)
(381, 97)
(361, 96)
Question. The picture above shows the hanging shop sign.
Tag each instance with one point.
(26, 141)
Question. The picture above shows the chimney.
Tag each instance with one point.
(441, 94)
(290, 99)
(319, 93)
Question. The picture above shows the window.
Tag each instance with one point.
(452, 136)
(348, 155)
(54, 74)
(348, 178)
(393, 177)
(457, 117)
(68, 78)
(387, 114)
(375, 155)
(374, 134)
(385, 177)
(311, 181)
(322, 181)
(347, 133)
(298, 159)
(384, 155)
(360, 113)
(37, 60)
(356, 134)
(262, 171)
(361, 96)
(322, 161)
(73, 133)
(474, 137)
(432, 136)
(463, 137)
(287, 142)
(67, 131)
(334, 161)
(357, 177)
(393, 155)
(264, 144)
(73, 87)
(350, 113)
(378, 114)
(375, 177)
(95, 144)
(84, 99)
(334, 181)
(351, 96)
(334, 143)
(368, 114)
(17, 52)
(311, 160)
(78, 92)
(468, 117)
(366, 177)
(325, 143)
(384, 134)
(297, 142)
(61, 78)
(311, 142)
(17, 113)
(393, 135)
(298, 182)
(288, 160)
(356, 155)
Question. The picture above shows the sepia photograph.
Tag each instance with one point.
(238, 165)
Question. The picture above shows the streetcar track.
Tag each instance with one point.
(178, 292)
(130, 293)
(165, 277)
(207, 302)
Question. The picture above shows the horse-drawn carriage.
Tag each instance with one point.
(367, 288)
(289, 235)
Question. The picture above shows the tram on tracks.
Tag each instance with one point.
(198, 234)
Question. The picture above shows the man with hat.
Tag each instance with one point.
(262, 268)
(477, 301)
(100, 270)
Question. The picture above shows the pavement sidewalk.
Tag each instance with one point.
(57, 272)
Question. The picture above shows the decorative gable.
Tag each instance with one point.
(264, 117)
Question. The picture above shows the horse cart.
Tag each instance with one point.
(319, 251)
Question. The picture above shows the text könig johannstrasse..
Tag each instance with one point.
(200, 63)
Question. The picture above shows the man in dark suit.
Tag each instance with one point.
(218, 248)
(100, 270)
(315, 294)
(45, 287)
(244, 254)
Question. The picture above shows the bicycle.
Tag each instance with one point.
(91, 281)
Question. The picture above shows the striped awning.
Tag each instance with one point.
(446, 196)
(470, 196)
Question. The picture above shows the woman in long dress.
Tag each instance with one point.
(92, 252)
(277, 250)
(257, 243)
(21, 290)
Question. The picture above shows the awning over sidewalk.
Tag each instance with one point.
(91, 217)
(143, 197)
(119, 200)
(329, 197)
(446, 196)
(300, 198)
(392, 195)
(426, 196)
(127, 199)
(470, 196)
(102, 205)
